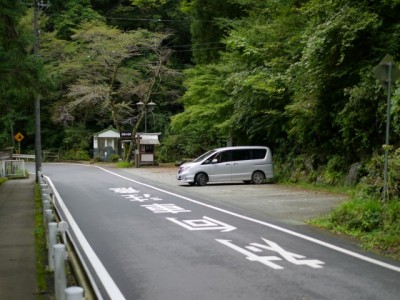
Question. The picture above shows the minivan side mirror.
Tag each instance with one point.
(214, 161)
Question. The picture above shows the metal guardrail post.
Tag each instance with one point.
(60, 280)
(45, 197)
(62, 228)
(52, 242)
(49, 215)
(46, 205)
(74, 293)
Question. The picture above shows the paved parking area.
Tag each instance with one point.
(287, 204)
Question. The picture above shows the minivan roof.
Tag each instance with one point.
(241, 147)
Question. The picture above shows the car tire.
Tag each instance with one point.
(201, 179)
(258, 177)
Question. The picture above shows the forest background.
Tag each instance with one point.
(295, 75)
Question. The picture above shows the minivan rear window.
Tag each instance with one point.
(242, 154)
(247, 154)
(259, 153)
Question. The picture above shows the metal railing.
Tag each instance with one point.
(13, 168)
(60, 250)
(47, 155)
(24, 156)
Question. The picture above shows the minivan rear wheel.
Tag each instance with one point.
(201, 179)
(258, 177)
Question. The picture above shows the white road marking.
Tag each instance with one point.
(289, 256)
(105, 278)
(265, 260)
(293, 258)
(278, 228)
(203, 224)
(168, 208)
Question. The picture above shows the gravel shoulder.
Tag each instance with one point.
(286, 204)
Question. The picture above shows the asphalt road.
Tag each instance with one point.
(149, 240)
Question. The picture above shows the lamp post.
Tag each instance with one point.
(146, 107)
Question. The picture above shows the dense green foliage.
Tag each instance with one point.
(296, 75)
(18, 73)
(299, 78)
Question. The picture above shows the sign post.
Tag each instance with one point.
(387, 72)
(19, 137)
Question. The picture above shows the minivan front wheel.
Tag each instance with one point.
(258, 177)
(201, 179)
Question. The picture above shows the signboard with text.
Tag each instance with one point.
(125, 134)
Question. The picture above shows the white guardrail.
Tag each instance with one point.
(75, 244)
(57, 246)
(24, 156)
(61, 248)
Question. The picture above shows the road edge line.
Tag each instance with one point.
(105, 278)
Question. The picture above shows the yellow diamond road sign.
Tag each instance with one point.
(19, 137)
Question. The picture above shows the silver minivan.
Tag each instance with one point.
(241, 163)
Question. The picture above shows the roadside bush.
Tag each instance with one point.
(170, 149)
(114, 158)
(372, 181)
(375, 224)
(359, 214)
(305, 169)
(392, 216)
(309, 169)
(76, 155)
(294, 169)
(333, 173)
(97, 159)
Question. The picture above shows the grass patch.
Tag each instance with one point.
(374, 223)
(124, 164)
(320, 187)
(43, 275)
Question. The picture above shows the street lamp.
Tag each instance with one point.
(142, 107)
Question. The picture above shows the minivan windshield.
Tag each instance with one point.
(203, 156)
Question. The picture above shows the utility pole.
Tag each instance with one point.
(38, 139)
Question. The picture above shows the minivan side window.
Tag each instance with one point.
(201, 157)
(223, 156)
(241, 154)
(259, 153)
